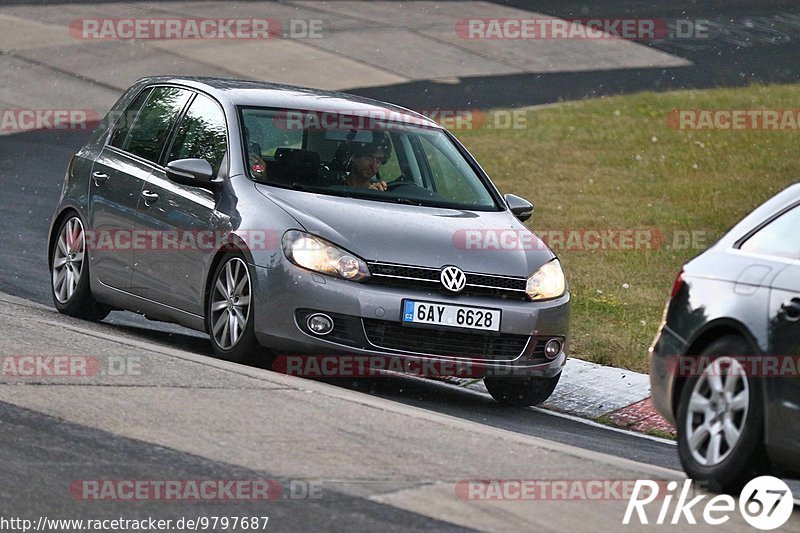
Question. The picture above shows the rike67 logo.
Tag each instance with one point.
(765, 503)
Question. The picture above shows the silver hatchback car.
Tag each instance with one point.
(307, 222)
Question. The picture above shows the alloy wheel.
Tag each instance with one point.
(717, 411)
(230, 303)
(68, 259)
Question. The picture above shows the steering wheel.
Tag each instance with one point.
(400, 182)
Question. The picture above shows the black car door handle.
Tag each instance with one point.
(99, 177)
(149, 197)
(791, 310)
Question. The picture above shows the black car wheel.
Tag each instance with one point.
(721, 420)
(69, 273)
(521, 391)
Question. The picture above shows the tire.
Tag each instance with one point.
(521, 391)
(69, 273)
(229, 311)
(720, 422)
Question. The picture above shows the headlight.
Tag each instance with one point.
(548, 282)
(319, 255)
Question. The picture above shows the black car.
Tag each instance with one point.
(724, 365)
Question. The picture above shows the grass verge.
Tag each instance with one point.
(615, 163)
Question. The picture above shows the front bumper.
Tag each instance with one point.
(285, 292)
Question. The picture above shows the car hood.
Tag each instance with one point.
(475, 241)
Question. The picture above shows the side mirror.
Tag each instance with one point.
(520, 207)
(192, 172)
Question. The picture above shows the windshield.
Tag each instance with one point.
(347, 155)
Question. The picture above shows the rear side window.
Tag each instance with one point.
(202, 133)
(149, 132)
(779, 238)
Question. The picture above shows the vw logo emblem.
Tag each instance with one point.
(453, 278)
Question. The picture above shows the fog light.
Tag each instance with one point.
(552, 348)
(320, 324)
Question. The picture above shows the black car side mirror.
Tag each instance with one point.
(520, 207)
(192, 172)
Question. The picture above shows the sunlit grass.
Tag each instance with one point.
(614, 163)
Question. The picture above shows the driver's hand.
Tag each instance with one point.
(378, 186)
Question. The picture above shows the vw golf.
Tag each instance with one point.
(306, 222)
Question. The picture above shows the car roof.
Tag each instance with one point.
(259, 93)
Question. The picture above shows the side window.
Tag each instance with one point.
(125, 122)
(391, 169)
(149, 132)
(267, 130)
(779, 238)
(202, 133)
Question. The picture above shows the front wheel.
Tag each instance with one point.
(521, 391)
(229, 313)
(69, 273)
(720, 421)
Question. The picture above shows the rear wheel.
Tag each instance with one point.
(229, 315)
(720, 420)
(521, 391)
(69, 273)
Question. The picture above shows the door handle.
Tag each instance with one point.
(99, 177)
(791, 310)
(149, 197)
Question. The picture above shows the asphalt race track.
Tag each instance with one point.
(387, 450)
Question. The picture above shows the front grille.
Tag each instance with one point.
(428, 278)
(393, 336)
(420, 273)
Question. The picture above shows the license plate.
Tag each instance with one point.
(457, 316)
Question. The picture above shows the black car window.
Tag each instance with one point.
(123, 125)
(779, 238)
(149, 132)
(202, 133)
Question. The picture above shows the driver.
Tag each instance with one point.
(366, 161)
